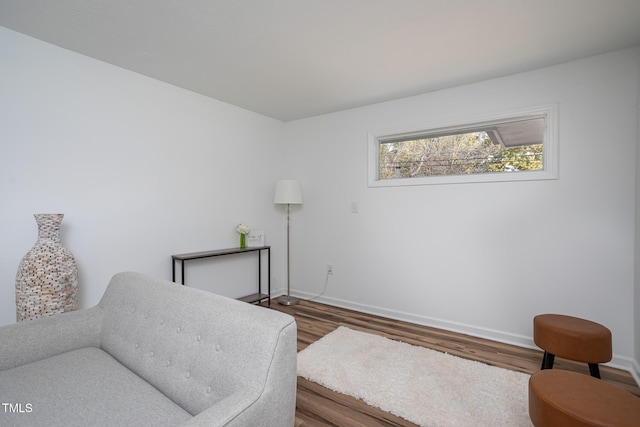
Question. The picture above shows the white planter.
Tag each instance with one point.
(47, 277)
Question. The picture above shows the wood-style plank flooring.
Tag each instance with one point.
(318, 406)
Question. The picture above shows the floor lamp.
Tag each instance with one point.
(288, 193)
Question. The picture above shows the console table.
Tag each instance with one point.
(253, 298)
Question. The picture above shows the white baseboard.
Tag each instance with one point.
(475, 331)
(619, 362)
(635, 371)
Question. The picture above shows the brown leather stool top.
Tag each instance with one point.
(570, 399)
(572, 338)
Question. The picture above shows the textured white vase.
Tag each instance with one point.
(47, 277)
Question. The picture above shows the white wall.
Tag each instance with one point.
(141, 169)
(480, 258)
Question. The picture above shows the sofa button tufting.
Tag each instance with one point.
(188, 375)
(198, 338)
(217, 347)
(178, 330)
(151, 354)
(209, 389)
(167, 363)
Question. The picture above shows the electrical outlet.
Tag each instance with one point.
(329, 268)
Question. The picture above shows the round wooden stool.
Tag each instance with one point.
(569, 399)
(572, 338)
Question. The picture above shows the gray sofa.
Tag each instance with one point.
(151, 353)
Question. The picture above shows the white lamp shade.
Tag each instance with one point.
(288, 192)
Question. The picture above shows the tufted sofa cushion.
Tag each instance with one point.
(194, 346)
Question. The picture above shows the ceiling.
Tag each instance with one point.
(291, 59)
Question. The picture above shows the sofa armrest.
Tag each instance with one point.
(272, 406)
(226, 410)
(31, 340)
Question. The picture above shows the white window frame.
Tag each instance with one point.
(549, 159)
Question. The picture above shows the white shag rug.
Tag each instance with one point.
(424, 386)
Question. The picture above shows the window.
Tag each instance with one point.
(503, 148)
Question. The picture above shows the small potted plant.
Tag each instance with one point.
(243, 230)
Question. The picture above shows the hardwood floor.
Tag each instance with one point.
(318, 406)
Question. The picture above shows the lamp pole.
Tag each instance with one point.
(288, 299)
